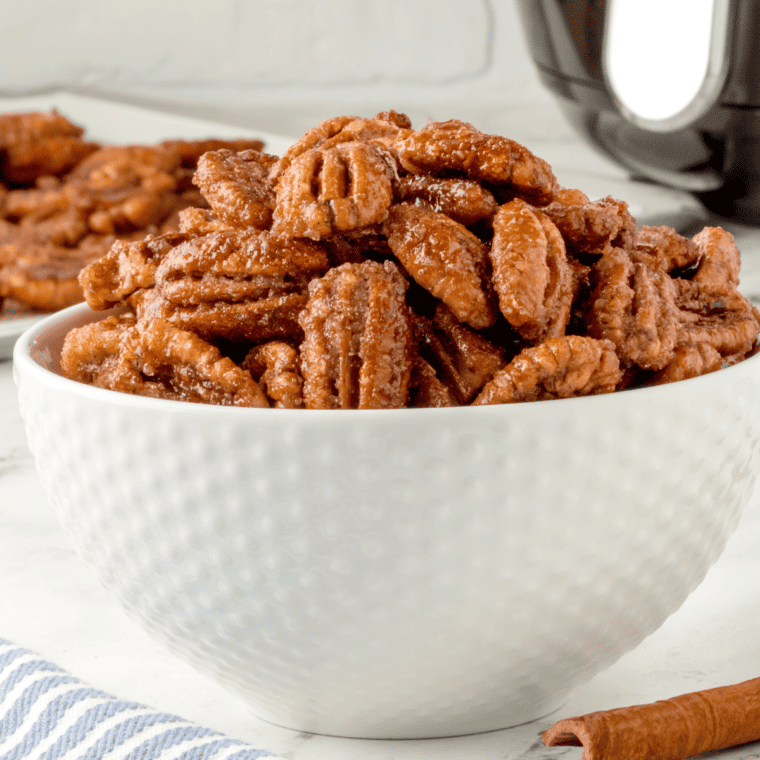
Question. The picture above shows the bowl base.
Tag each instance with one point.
(377, 728)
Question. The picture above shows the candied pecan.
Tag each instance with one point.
(338, 189)
(464, 200)
(189, 151)
(356, 353)
(35, 203)
(463, 360)
(198, 222)
(36, 144)
(689, 360)
(570, 365)
(663, 248)
(355, 248)
(719, 258)
(237, 187)
(48, 212)
(241, 284)
(20, 127)
(401, 120)
(109, 165)
(456, 145)
(44, 275)
(157, 360)
(444, 257)
(715, 316)
(591, 227)
(426, 390)
(24, 162)
(123, 188)
(336, 131)
(634, 306)
(710, 257)
(92, 354)
(276, 366)
(127, 267)
(66, 228)
(531, 275)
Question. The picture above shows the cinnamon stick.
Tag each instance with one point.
(671, 729)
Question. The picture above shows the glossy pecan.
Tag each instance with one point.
(356, 353)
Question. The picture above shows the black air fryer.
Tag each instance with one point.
(670, 89)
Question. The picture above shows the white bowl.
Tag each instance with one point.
(406, 573)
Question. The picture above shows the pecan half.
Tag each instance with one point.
(531, 275)
(357, 347)
(336, 189)
(571, 365)
(456, 145)
(237, 187)
(443, 257)
(634, 306)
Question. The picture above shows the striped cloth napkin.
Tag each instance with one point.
(48, 714)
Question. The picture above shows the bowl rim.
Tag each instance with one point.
(24, 362)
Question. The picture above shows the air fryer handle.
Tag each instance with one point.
(665, 62)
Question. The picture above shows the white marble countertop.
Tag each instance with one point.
(51, 602)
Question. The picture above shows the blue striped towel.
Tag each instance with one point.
(48, 714)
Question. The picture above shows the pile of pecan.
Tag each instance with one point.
(374, 266)
(64, 201)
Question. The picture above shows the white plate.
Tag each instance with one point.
(119, 123)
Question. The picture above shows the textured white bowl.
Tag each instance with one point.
(409, 573)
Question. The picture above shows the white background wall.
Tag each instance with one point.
(240, 56)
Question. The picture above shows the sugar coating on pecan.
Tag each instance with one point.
(442, 256)
(456, 145)
(689, 360)
(276, 366)
(334, 190)
(127, 267)
(341, 129)
(236, 186)
(531, 274)
(92, 354)
(356, 352)
(715, 316)
(719, 258)
(563, 367)
(238, 284)
(633, 305)
(662, 247)
(464, 200)
(198, 222)
(591, 227)
(157, 360)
